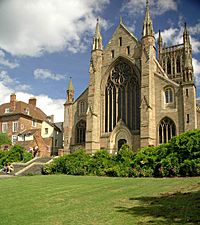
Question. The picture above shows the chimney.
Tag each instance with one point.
(32, 101)
(50, 119)
(12, 102)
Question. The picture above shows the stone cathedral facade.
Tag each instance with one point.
(134, 96)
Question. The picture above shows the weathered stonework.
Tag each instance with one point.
(132, 96)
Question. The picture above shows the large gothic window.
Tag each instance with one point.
(80, 132)
(167, 130)
(122, 97)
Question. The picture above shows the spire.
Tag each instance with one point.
(159, 38)
(70, 85)
(70, 91)
(160, 46)
(147, 24)
(186, 38)
(97, 39)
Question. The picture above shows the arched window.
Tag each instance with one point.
(122, 97)
(80, 132)
(169, 66)
(167, 130)
(178, 65)
(168, 95)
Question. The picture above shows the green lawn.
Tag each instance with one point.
(60, 199)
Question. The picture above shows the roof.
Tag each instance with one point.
(28, 132)
(21, 108)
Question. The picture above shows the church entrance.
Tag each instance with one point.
(121, 142)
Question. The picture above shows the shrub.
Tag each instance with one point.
(179, 157)
(15, 154)
(4, 139)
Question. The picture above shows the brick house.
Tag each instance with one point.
(22, 120)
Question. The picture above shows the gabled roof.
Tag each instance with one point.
(121, 25)
(21, 108)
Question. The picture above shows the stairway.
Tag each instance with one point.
(32, 167)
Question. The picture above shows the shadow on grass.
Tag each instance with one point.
(176, 208)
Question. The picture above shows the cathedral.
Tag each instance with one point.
(137, 94)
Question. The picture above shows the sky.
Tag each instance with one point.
(45, 42)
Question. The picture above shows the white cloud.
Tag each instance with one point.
(7, 80)
(33, 27)
(196, 66)
(6, 62)
(195, 45)
(47, 74)
(158, 7)
(195, 29)
(171, 36)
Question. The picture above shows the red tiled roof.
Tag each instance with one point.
(21, 108)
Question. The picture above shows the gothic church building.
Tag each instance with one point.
(133, 96)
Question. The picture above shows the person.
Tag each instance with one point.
(35, 151)
(30, 149)
(9, 168)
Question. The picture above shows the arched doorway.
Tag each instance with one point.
(121, 142)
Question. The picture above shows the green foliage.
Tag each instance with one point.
(15, 154)
(179, 157)
(4, 139)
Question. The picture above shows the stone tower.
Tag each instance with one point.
(68, 116)
(189, 89)
(147, 108)
(93, 112)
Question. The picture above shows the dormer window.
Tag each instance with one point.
(7, 110)
(34, 123)
(26, 111)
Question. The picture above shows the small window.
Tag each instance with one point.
(4, 127)
(188, 118)
(7, 110)
(186, 92)
(46, 130)
(15, 126)
(128, 50)
(120, 41)
(168, 95)
(34, 123)
(112, 54)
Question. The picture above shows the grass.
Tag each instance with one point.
(73, 200)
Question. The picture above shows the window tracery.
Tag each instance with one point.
(167, 130)
(122, 97)
(80, 132)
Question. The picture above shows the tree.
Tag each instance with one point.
(4, 139)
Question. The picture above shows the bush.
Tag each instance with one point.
(179, 157)
(15, 154)
(4, 139)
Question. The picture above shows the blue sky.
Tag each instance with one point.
(44, 42)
